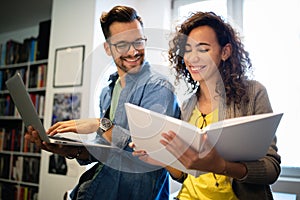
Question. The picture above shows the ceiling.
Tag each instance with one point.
(20, 14)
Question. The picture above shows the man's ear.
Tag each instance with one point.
(107, 48)
(226, 51)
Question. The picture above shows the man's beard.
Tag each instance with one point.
(123, 58)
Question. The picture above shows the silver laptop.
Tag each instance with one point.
(22, 101)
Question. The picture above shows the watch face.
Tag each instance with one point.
(105, 123)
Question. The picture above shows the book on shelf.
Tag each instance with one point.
(2, 132)
(13, 49)
(5, 75)
(18, 192)
(237, 139)
(33, 49)
(31, 169)
(3, 53)
(11, 139)
(29, 147)
(4, 166)
(27, 193)
(17, 168)
(38, 102)
(28, 50)
(13, 52)
(22, 72)
(7, 140)
(7, 106)
(37, 76)
(1, 80)
(41, 76)
(15, 140)
(43, 39)
(2, 105)
(41, 108)
(24, 53)
(0, 53)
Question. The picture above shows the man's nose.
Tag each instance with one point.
(132, 50)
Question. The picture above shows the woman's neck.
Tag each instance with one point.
(208, 97)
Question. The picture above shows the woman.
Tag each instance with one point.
(208, 54)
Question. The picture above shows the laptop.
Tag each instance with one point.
(23, 103)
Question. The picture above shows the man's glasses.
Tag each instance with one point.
(123, 47)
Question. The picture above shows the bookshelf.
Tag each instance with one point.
(20, 160)
(25, 52)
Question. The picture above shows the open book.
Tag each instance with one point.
(237, 139)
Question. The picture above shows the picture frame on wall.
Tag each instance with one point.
(66, 106)
(68, 66)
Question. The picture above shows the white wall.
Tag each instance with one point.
(20, 35)
(76, 22)
(72, 24)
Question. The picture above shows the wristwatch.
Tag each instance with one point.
(105, 124)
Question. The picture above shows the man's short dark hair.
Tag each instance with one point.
(118, 14)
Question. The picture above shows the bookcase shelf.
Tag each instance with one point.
(20, 160)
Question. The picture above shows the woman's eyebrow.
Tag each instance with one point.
(203, 43)
(199, 44)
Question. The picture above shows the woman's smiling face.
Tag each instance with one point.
(202, 53)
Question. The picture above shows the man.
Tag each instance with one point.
(119, 175)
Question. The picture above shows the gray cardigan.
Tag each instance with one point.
(263, 172)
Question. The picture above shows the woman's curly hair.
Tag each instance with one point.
(231, 70)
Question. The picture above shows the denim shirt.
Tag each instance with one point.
(124, 176)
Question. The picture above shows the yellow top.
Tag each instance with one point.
(209, 185)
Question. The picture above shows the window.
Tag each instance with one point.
(272, 37)
(271, 33)
(185, 8)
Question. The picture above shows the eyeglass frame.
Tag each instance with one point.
(129, 44)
